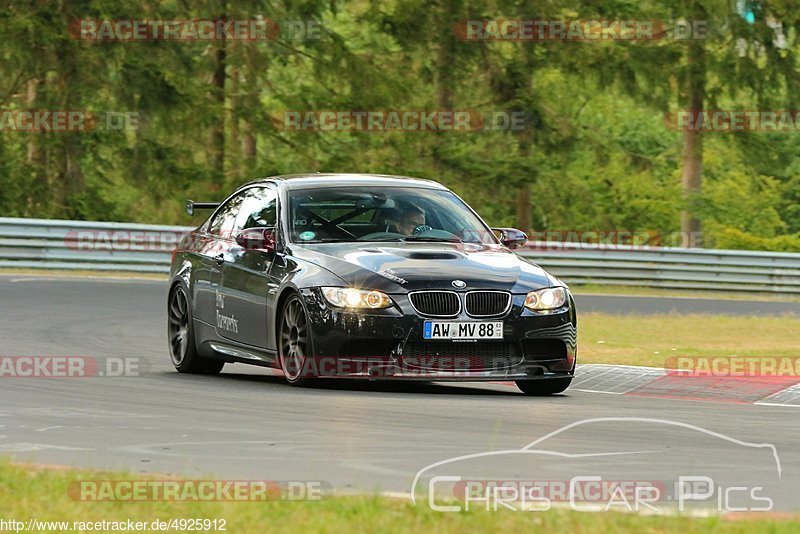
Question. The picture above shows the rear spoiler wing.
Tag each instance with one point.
(191, 205)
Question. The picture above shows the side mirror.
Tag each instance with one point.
(511, 237)
(257, 239)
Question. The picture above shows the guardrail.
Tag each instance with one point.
(77, 245)
(83, 245)
(674, 268)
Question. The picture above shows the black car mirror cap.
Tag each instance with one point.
(511, 237)
(257, 239)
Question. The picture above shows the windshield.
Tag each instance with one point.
(383, 214)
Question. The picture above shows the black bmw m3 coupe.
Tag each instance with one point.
(365, 276)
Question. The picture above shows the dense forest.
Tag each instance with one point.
(593, 149)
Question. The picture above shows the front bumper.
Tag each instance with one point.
(389, 345)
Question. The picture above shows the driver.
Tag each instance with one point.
(410, 218)
(264, 218)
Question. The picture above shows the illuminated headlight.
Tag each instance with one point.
(546, 299)
(348, 297)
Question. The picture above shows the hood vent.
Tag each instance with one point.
(432, 256)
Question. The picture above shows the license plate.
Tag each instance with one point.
(462, 330)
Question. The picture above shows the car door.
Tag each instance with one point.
(246, 280)
(213, 240)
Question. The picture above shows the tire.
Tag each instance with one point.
(180, 331)
(294, 343)
(544, 387)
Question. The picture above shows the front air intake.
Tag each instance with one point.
(436, 303)
(488, 303)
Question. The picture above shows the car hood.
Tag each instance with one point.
(402, 267)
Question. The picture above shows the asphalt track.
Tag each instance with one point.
(247, 424)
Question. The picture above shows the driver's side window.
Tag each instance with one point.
(259, 209)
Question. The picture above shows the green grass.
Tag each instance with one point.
(652, 339)
(41, 493)
(694, 293)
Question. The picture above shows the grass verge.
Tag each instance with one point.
(41, 493)
(652, 339)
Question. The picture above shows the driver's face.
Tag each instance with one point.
(411, 221)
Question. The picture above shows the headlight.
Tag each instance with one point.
(546, 299)
(347, 297)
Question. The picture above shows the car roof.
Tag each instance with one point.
(304, 181)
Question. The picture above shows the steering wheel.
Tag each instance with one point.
(421, 229)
